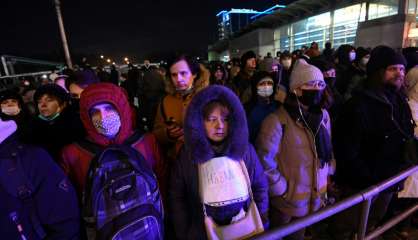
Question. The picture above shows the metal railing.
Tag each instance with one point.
(364, 197)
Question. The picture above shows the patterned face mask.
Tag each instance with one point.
(109, 125)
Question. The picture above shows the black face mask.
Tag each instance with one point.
(330, 81)
(311, 97)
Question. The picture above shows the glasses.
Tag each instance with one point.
(314, 84)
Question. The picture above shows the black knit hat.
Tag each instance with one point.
(246, 56)
(383, 56)
(361, 52)
(11, 94)
(51, 90)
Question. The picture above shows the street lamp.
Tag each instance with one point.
(101, 56)
(126, 59)
(108, 60)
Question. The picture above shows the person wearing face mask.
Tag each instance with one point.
(286, 62)
(332, 100)
(262, 102)
(55, 124)
(371, 136)
(345, 57)
(359, 71)
(185, 78)
(13, 108)
(107, 117)
(294, 146)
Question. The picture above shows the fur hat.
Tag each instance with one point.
(52, 90)
(383, 56)
(303, 73)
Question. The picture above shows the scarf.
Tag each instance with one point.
(313, 121)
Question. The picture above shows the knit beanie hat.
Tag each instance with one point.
(304, 73)
(383, 56)
(52, 90)
(246, 56)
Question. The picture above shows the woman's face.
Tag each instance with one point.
(10, 107)
(49, 106)
(216, 124)
(181, 75)
(219, 74)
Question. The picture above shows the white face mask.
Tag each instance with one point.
(108, 126)
(11, 111)
(287, 63)
(352, 56)
(265, 91)
(364, 61)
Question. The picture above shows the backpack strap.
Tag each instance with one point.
(16, 183)
(89, 147)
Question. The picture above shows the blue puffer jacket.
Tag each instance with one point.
(54, 200)
(184, 200)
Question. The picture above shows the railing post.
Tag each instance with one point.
(365, 209)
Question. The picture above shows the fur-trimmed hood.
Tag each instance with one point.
(201, 81)
(197, 144)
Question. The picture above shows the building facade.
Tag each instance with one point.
(359, 23)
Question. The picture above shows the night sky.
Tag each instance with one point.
(134, 28)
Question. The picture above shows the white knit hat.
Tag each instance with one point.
(304, 73)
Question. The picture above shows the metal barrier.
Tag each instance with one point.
(364, 197)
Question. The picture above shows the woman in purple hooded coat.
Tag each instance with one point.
(228, 137)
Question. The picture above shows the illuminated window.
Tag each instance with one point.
(313, 29)
(383, 8)
(412, 6)
(346, 22)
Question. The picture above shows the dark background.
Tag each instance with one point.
(134, 28)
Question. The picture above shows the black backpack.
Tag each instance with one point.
(121, 199)
(14, 181)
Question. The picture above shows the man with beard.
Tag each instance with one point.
(371, 136)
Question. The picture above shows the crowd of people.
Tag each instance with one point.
(235, 148)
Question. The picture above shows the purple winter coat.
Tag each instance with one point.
(185, 205)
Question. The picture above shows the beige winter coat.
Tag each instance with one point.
(288, 154)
